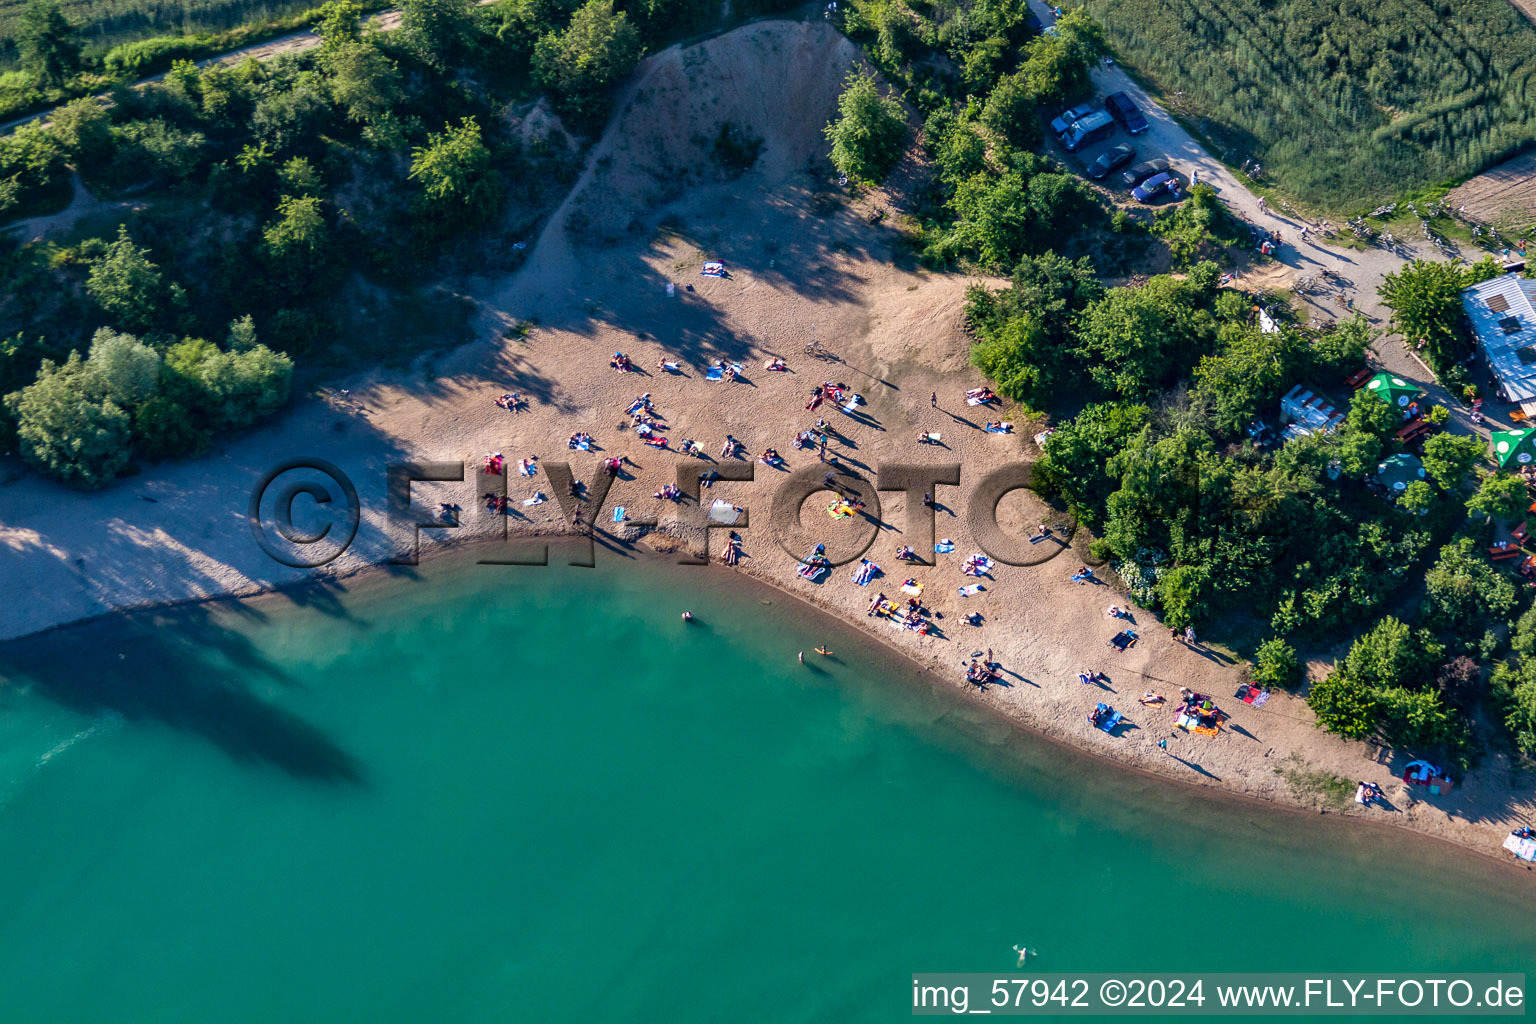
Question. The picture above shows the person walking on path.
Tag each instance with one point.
(1262, 204)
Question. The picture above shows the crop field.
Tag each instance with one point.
(105, 23)
(1345, 103)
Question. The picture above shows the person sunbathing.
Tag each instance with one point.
(728, 449)
(905, 553)
(1149, 698)
(770, 457)
(777, 365)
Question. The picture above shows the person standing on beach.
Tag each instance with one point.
(933, 399)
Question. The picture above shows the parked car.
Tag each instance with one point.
(1123, 110)
(1110, 159)
(1144, 170)
(1155, 186)
(1087, 130)
(1070, 117)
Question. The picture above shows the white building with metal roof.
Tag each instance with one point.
(1503, 316)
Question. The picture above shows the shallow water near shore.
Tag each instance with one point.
(482, 793)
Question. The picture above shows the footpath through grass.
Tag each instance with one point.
(1345, 104)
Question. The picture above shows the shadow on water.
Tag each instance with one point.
(184, 669)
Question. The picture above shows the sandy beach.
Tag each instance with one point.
(617, 268)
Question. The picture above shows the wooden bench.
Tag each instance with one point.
(1355, 380)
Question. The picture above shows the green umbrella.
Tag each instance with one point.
(1518, 446)
(1399, 471)
(1392, 390)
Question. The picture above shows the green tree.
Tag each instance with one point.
(436, 31)
(580, 65)
(1392, 654)
(66, 431)
(1010, 114)
(1520, 716)
(1247, 376)
(1344, 706)
(1425, 297)
(363, 80)
(1275, 665)
(1449, 457)
(1134, 340)
(84, 131)
(1414, 718)
(1500, 496)
(121, 369)
(164, 429)
(295, 240)
(1184, 591)
(298, 177)
(870, 131)
(454, 171)
(231, 390)
(338, 22)
(1056, 69)
(129, 287)
(1463, 589)
(47, 42)
(1418, 497)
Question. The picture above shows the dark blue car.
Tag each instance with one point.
(1120, 106)
(1154, 187)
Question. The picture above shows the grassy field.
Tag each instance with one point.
(105, 23)
(1344, 103)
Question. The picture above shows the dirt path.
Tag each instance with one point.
(1359, 273)
(294, 42)
(82, 204)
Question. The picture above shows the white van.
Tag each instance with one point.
(1088, 130)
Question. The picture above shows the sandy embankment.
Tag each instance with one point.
(651, 205)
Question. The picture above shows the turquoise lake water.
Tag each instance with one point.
(518, 794)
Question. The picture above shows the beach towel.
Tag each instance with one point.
(934, 438)
(975, 401)
(851, 404)
(1005, 429)
(537, 499)
(580, 446)
(1261, 699)
(915, 589)
(713, 268)
(528, 468)
(714, 373)
(1525, 849)
(738, 368)
(970, 591)
(1122, 640)
(1206, 730)
(943, 547)
(618, 514)
(724, 512)
(669, 365)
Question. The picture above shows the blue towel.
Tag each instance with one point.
(618, 514)
(714, 373)
(943, 549)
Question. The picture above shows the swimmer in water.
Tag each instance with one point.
(687, 616)
(1023, 954)
(802, 657)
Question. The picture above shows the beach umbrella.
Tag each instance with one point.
(1514, 446)
(1399, 471)
(1392, 389)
